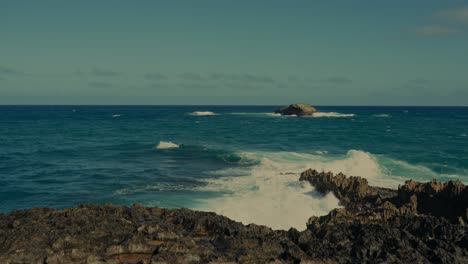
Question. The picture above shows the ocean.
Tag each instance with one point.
(239, 161)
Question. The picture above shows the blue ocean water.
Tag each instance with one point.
(241, 161)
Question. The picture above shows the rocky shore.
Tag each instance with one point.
(418, 222)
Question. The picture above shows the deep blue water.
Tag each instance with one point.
(65, 155)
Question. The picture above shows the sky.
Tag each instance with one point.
(255, 52)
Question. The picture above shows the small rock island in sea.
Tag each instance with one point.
(297, 110)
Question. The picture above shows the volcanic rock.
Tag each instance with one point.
(375, 225)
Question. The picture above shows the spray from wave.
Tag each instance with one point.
(264, 187)
(203, 113)
(271, 194)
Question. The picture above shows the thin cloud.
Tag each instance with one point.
(101, 85)
(247, 77)
(256, 78)
(337, 80)
(215, 76)
(243, 86)
(294, 79)
(459, 14)
(191, 76)
(105, 73)
(418, 81)
(96, 72)
(10, 71)
(155, 76)
(196, 86)
(435, 30)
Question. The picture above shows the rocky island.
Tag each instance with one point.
(416, 223)
(297, 110)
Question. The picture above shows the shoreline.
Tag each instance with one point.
(418, 222)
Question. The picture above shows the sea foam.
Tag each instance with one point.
(331, 114)
(203, 113)
(166, 145)
(271, 194)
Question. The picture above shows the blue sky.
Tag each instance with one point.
(234, 52)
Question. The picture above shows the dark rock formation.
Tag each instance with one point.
(376, 225)
(297, 109)
(447, 199)
(136, 234)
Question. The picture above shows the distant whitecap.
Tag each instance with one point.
(331, 114)
(203, 113)
(166, 145)
(381, 115)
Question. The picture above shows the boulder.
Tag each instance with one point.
(297, 109)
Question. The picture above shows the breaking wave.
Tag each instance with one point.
(166, 145)
(270, 193)
(263, 187)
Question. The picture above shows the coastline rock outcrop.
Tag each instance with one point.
(443, 199)
(297, 110)
(419, 222)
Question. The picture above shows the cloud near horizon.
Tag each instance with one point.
(337, 80)
(216, 76)
(101, 85)
(156, 76)
(435, 30)
(96, 72)
(459, 14)
(10, 71)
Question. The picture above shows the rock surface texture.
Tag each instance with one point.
(297, 110)
(419, 223)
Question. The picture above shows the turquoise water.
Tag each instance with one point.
(237, 160)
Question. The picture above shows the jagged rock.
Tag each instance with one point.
(136, 234)
(345, 188)
(297, 109)
(449, 199)
(376, 225)
(351, 191)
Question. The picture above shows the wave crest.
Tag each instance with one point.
(166, 145)
(203, 113)
(331, 114)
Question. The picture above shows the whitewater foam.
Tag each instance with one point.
(381, 115)
(330, 114)
(203, 113)
(166, 145)
(271, 194)
(117, 115)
